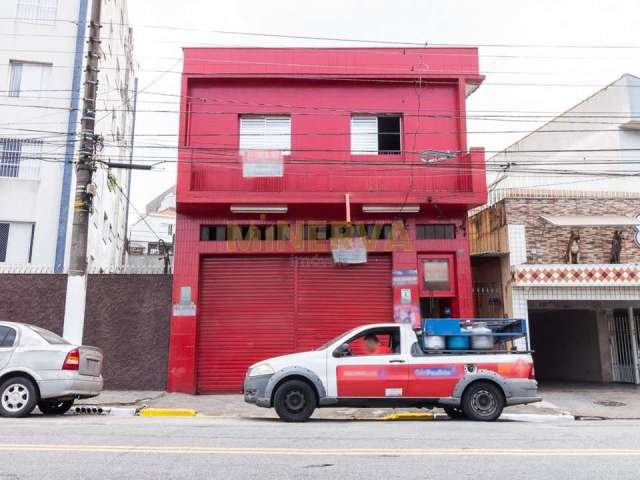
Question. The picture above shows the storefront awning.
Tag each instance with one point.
(590, 220)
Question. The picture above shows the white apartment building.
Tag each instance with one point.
(600, 134)
(151, 234)
(42, 56)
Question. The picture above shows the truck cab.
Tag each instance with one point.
(384, 365)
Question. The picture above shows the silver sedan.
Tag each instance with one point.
(37, 367)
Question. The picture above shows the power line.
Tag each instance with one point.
(360, 40)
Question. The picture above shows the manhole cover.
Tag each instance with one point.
(610, 403)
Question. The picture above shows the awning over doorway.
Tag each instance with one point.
(590, 220)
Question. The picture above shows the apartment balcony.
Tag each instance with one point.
(383, 179)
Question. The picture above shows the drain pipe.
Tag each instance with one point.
(72, 125)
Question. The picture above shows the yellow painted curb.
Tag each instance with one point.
(408, 416)
(168, 412)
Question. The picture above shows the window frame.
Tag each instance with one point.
(374, 331)
(39, 8)
(3, 338)
(377, 134)
(285, 148)
(451, 289)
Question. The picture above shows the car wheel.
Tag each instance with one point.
(483, 401)
(295, 401)
(455, 413)
(18, 397)
(55, 407)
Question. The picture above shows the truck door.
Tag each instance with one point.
(7, 340)
(370, 364)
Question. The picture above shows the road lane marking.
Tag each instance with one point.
(148, 449)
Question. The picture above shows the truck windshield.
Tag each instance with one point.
(325, 345)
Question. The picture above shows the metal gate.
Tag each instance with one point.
(256, 307)
(624, 339)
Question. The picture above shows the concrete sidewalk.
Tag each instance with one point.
(604, 400)
(616, 401)
(234, 406)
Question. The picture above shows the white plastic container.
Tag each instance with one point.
(433, 342)
(481, 340)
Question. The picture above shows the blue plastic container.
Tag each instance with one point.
(441, 326)
(458, 342)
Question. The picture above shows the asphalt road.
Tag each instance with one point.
(215, 448)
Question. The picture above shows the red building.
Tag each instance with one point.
(284, 153)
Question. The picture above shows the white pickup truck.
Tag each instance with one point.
(383, 365)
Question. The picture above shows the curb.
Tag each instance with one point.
(408, 416)
(167, 412)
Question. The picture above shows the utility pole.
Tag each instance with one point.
(131, 142)
(82, 205)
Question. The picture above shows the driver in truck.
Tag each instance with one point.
(373, 346)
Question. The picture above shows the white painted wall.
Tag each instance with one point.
(580, 128)
(37, 200)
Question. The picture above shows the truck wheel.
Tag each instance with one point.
(482, 401)
(455, 413)
(295, 401)
(55, 407)
(18, 397)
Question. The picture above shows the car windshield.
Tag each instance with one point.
(48, 336)
(325, 345)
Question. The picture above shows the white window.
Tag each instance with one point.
(16, 240)
(375, 134)
(20, 158)
(27, 79)
(37, 11)
(259, 132)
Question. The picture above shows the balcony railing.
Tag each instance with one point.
(25, 169)
(379, 174)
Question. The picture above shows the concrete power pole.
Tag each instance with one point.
(82, 206)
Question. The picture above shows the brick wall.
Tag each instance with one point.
(127, 316)
(547, 243)
(33, 298)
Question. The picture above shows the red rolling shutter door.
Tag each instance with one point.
(245, 315)
(252, 308)
(332, 299)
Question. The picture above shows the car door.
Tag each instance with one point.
(362, 374)
(434, 376)
(8, 336)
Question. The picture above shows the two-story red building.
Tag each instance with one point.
(318, 189)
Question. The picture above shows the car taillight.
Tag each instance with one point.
(532, 373)
(72, 362)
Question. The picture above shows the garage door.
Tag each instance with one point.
(252, 308)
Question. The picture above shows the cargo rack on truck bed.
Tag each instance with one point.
(508, 334)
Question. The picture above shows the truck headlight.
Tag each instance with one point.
(261, 369)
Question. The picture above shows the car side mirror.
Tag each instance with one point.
(341, 351)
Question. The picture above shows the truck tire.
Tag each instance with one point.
(483, 401)
(55, 407)
(295, 401)
(18, 397)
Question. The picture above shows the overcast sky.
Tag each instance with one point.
(488, 22)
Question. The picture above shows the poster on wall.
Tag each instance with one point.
(407, 314)
(436, 274)
(262, 163)
(401, 278)
(348, 250)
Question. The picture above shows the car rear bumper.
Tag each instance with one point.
(71, 385)
(254, 390)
